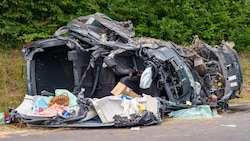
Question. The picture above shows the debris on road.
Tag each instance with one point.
(201, 111)
(94, 73)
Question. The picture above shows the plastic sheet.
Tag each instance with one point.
(201, 111)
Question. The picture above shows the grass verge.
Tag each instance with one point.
(12, 79)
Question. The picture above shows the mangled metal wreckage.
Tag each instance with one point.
(104, 77)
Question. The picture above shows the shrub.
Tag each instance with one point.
(175, 20)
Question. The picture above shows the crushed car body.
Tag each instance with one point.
(95, 62)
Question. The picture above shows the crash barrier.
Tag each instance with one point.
(100, 64)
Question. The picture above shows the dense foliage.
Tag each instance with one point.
(176, 20)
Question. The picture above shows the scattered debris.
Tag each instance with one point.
(135, 128)
(111, 79)
(228, 125)
(4, 118)
(201, 111)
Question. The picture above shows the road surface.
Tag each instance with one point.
(234, 125)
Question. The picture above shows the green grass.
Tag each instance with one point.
(12, 79)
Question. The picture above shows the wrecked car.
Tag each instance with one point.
(217, 70)
(98, 64)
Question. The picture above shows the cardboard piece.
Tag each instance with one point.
(120, 88)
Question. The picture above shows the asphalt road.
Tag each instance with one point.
(234, 125)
